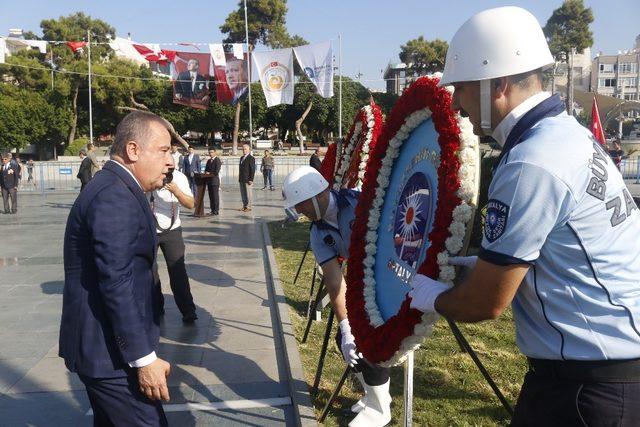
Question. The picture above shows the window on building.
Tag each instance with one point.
(606, 82)
(630, 96)
(628, 67)
(607, 68)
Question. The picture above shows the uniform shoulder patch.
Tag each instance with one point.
(496, 221)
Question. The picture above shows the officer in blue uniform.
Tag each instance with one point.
(332, 212)
(561, 239)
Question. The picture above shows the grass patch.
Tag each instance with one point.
(449, 389)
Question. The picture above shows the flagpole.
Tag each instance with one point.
(340, 87)
(249, 67)
(90, 105)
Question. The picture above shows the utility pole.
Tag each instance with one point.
(90, 106)
(249, 67)
(570, 82)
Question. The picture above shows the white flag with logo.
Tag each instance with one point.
(275, 70)
(316, 62)
(217, 53)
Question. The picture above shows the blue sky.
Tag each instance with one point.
(372, 31)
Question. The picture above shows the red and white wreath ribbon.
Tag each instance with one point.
(387, 343)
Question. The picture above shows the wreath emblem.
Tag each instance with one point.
(457, 164)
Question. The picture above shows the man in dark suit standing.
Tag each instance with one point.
(245, 177)
(9, 179)
(109, 330)
(315, 161)
(213, 184)
(190, 166)
(84, 172)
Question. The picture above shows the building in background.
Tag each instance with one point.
(618, 75)
(397, 77)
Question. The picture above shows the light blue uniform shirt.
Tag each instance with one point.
(558, 202)
(328, 242)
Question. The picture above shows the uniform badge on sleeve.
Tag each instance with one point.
(496, 220)
(329, 240)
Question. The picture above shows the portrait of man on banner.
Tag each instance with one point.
(192, 76)
(232, 78)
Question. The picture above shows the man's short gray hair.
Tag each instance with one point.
(136, 126)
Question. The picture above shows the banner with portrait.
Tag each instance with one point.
(192, 74)
(231, 72)
(275, 69)
(316, 61)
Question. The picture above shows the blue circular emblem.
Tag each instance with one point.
(309, 72)
(406, 217)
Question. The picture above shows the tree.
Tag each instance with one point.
(567, 29)
(424, 56)
(74, 27)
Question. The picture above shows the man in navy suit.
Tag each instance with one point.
(109, 330)
(9, 180)
(190, 166)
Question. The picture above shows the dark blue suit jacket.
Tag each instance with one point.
(109, 313)
(189, 168)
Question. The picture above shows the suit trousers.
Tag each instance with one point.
(119, 402)
(172, 246)
(192, 185)
(10, 194)
(214, 197)
(246, 194)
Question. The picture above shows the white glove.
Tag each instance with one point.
(464, 261)
(348, 344)
(424, 292)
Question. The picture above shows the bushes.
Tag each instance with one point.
(76, 146)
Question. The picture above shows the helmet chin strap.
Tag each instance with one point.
(316, 207)
(485, 106)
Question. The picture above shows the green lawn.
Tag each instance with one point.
(449, 389)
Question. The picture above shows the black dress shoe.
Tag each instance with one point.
(189, 318)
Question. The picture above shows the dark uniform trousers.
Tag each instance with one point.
(10, 194)
(214, 197)
(119, 402)
(172, 247)
(546, 400)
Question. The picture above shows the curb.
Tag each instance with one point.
(300, 397)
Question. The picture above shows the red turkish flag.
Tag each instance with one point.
(161, 56)
(596, 125)
(76, 46)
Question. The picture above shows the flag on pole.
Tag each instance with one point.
(316, 62)
(153, 53)
(275, 69)
(231, 72)
(217, 53)
(77, 47)
(3, 49)
(596, 125)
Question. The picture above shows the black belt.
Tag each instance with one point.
(612, 371)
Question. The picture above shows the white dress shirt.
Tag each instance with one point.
(504, 128)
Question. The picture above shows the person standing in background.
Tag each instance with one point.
(266, 167)
(9, 179)
(213, 184)
(314, 160)
(191, 166)
(245, 177)
(91, 153)
(84, 173)
(177, 157)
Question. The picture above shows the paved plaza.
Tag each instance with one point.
(232, 358)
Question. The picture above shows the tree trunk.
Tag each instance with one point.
(74, 121)
(236, 128)
(299, 123)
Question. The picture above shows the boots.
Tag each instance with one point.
(377, 409)
(360, 404)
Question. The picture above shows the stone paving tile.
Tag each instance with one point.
(230, 352)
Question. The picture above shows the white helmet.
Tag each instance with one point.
(302, 184)
(495, 43)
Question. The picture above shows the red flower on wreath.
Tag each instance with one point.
(380, 344)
